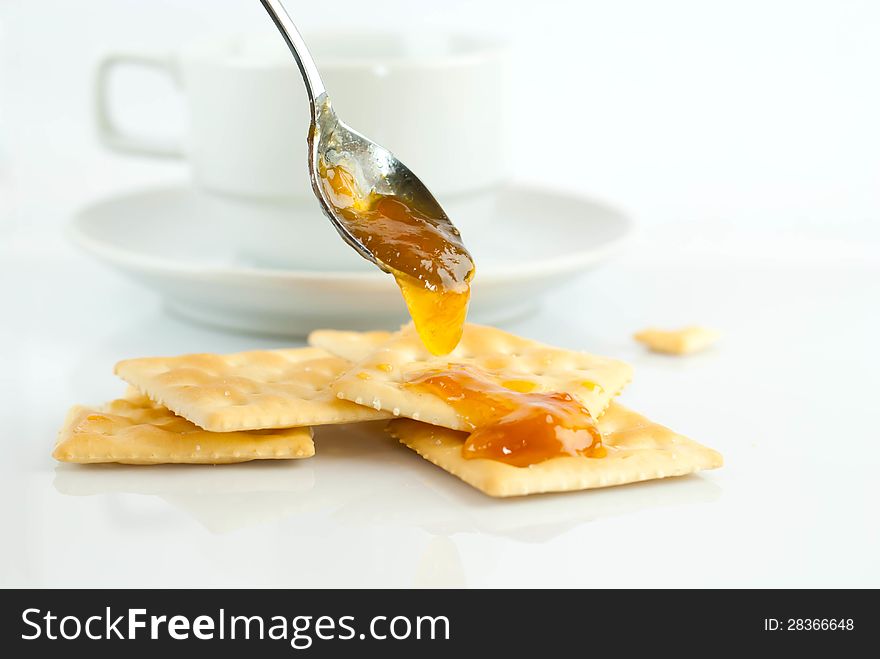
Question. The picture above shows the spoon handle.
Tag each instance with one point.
(282, 20)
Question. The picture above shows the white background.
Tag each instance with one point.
(727, 112)
(742, 136)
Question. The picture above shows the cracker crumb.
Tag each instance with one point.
(682, 341)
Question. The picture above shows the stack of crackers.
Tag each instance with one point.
(215, 409)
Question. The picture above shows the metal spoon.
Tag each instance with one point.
(374, 168)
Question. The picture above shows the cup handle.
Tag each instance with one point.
(109, 133)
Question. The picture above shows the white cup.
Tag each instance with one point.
(437, 102)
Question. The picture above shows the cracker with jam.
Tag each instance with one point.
(507, 415)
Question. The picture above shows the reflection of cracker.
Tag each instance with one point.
(137, 431)
(377, 380)
(638, 450)
(352, 346)
(247, 390)
(677, 342)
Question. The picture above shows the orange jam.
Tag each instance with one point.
(510, 424)
(424, 253)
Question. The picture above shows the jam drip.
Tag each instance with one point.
(510, 425)
(424, 253)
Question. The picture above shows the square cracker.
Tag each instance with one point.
(377, 380)
(135, 430)
(247, 390)
(638, 450)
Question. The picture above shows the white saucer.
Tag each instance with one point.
(215, 261)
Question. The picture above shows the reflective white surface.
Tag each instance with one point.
(785, 396)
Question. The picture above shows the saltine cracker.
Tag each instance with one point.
(637, 450)
(135, 430)
(247, 390)
(378, 380)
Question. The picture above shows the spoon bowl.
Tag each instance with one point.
(374, 170)
(350, 174)
(382, 210)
